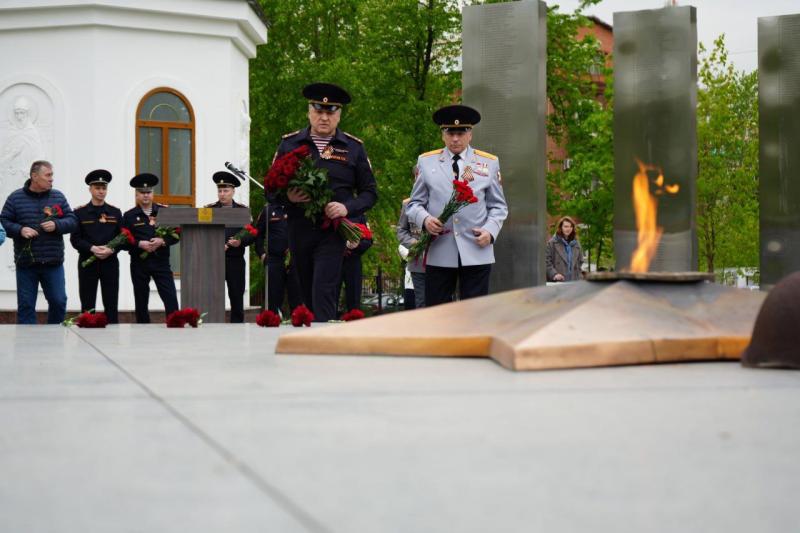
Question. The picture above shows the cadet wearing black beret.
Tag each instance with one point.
(98, 223)
(234, 249)
(141, 221)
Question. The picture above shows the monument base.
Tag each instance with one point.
(570, 325)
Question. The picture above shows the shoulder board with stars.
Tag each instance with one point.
(290, 134)
(433, 152)
(359, 141)
(487, 155)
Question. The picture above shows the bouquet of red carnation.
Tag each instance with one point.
(461, 196)
(302, 316)
(296, 169)
(164, 232)
(178, 319)
(245, 231)
(124, 236)
(91, 320)
(268, 319)
(353, 314)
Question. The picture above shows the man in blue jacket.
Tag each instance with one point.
(37, 217)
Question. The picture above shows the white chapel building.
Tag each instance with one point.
(131, 86)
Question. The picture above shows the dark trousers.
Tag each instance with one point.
(351, 279)
(52, 279)
(234, 278)
(106, 272)
(282, 280)
(161, 274)
(440, 282)
(317, 255)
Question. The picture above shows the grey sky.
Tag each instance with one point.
(737, 19)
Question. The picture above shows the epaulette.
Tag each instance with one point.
(359, 141)
(487, 155)
(290, 134)
(433, 152)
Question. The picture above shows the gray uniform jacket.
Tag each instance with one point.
(432, 190)
(408, 233)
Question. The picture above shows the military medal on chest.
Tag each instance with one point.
(327, 152)
(467, 176)
(103, 219)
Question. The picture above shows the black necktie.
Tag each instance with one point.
(455, 166)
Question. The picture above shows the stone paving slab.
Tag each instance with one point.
(141, 428)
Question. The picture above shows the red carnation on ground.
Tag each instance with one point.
(268, 319)
(179, 319)
(302, 316)
(353, 314)
(91, 320)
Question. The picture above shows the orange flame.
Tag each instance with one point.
(645, 206)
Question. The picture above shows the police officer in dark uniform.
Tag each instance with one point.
(98, 223)
(234, 248)
(317, 253)
(141, 221)
(281, 279)
(351, 269)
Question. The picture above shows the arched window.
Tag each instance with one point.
(165, 144)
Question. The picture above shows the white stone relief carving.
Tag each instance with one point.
(26, 134)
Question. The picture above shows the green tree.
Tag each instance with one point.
(580, 121)
(727, 184)
(395, 58)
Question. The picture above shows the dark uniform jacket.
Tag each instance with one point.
(272, 224)
(97, 225)
(349, 171)
(234, 251)
(25, 208)
(143, 228)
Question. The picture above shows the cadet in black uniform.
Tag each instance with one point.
(317, 253)
(98, 223)
(351, 269)
(234, 249)
(272, 224)
(141, 221)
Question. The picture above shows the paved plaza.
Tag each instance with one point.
(146, 429)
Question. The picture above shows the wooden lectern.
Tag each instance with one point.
(203, 254)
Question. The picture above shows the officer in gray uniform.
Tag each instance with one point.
(462, 252)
